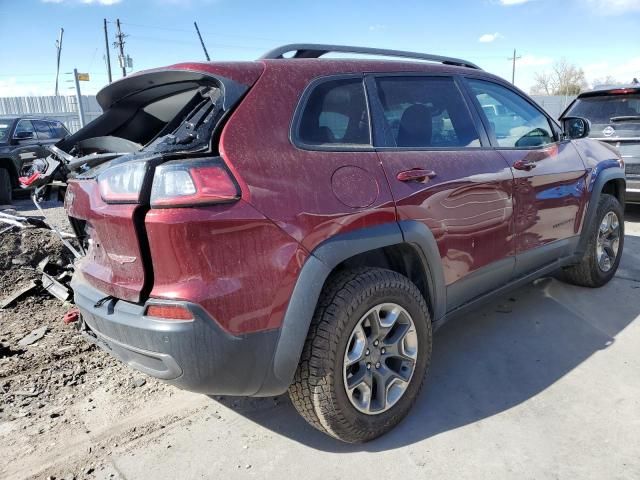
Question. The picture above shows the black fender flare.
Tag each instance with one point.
(317, 269)
(603, 173)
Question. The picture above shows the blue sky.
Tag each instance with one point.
(601, 36)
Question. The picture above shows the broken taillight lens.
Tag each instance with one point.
(169, 312)
(122, 183)
(184, 183)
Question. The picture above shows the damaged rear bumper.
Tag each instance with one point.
(194, 355)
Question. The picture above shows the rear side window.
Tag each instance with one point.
(426, 112)
(43, 130)
(58, 129)
(335, 113)
(24, 126)
(513, 121)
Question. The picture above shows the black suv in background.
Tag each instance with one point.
(22, 140)
(614, 112)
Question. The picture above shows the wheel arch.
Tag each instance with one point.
(407, 247)
(607, 178)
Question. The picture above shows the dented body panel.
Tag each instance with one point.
(113, 262)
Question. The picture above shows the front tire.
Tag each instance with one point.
(5, 187)
(366, 355)
(604, 247)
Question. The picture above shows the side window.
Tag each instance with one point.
(513, 121)
(59, 130)
(43, 130)
(426, 112)
(23, 128)
(335, 113)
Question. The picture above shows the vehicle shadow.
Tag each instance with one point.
(488, 362)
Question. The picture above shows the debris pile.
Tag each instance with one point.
(33, 258)
(51, 378)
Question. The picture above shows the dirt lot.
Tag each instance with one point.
(544, 381)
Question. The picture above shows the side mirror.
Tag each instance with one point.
(576, 127)
(23, 136)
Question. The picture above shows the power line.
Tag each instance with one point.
(513, 72)
(206, 54)
(59, 51)
(106, 47)
(119, 43)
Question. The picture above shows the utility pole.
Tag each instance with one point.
(119, 43)
(513, 72)
(78, 97)
(59, 49)
(206, 54)
(106, 46)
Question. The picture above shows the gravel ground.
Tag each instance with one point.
(50, 387)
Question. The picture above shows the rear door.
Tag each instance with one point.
(28, 146)
(443, 173)
(549, 174)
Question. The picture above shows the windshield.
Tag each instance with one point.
(4, 131)
(602, 109)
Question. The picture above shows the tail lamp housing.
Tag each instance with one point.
(177, 183)
(123, 183)
(183, 183)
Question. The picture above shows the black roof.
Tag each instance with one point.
(601, 89)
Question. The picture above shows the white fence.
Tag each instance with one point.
(63, 108)
(554, 104)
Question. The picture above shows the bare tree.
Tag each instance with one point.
(608, 80)
(564, 78)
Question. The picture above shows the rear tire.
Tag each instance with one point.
(604, 247)
(5, 187)
(344, 356)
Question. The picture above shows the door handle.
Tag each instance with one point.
(415, 175)
(522, 165)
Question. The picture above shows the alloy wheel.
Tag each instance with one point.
(380, 358)
(608, 241)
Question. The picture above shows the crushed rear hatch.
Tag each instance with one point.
(148, 119)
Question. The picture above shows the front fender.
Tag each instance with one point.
(602, 173)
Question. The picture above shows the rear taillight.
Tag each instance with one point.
(169, 312)
(182, 183)
(122, 183)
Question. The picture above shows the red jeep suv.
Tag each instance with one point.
(304, 224)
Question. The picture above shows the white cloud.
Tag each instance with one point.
(377, 27)
(489, 37)
(533, 61)
(614, 7)
(513, 2)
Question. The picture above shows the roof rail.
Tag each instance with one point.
(311, 50)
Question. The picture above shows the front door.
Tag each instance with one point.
(549, 175)
(444, 174)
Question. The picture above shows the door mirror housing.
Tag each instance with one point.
(23, 136)
(576, 127)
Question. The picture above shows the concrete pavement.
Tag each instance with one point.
(543, 383)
